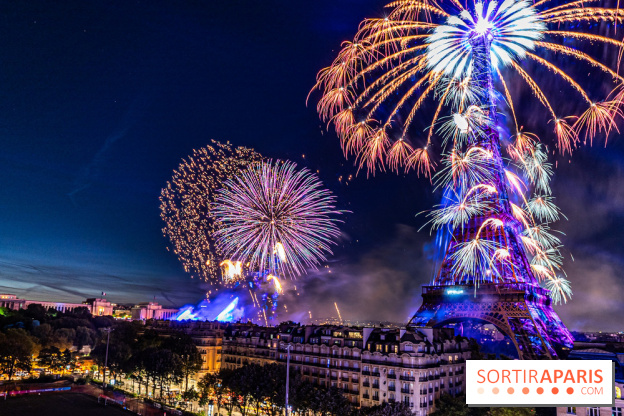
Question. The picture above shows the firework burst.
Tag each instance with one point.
(276, 219)
(423, 50)
(185, 208)
(455, 60)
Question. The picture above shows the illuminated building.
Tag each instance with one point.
(100, 307)
(616, 410)
(369, 365)
(152, 310)
(97, 307)
(207, 336)
(594, 353)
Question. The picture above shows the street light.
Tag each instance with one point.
(108, 331)
(287, 375)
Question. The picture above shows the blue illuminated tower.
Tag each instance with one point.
(506, 293)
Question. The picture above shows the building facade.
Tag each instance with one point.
(97, 307)
(207, 336)
(152, 310)
(616, 410)
(369, 365)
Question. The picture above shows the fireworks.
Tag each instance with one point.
(454, 60)
(276, 218)
(425, 51)
(185, 207)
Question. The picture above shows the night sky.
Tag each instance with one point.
(100, 101)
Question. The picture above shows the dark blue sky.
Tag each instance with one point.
(100, 100)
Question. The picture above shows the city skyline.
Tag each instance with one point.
(94, 130)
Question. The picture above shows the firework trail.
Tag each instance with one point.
(276, 219)
(338, 310)
(185, 208)
(455, 60)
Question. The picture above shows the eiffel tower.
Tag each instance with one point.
(506, 294)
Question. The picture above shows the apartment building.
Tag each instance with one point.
(369, 365)
(207, 336)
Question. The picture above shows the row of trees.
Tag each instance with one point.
(262, 389)
(144, 356)
(46, 334)
(148, 358)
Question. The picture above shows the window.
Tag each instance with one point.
(571, 410)
(378, 347)
(616, 411)
(593, 411)
(408, 347)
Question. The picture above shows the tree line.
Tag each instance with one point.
(262, 389)
(144, 356)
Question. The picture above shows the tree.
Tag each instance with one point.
(511, 411)
(16, 349)
(190, 396)
(190, 357)
(389, 409)
(51, 357)
(215, 385)
(451, 405)
(85, 336)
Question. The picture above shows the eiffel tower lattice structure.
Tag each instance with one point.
(506, 293)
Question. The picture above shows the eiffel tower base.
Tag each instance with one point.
(521, 311)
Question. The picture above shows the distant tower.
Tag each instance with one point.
(506, 294)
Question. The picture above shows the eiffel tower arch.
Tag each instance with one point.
(506, 294)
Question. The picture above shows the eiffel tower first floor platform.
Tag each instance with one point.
(521, 311)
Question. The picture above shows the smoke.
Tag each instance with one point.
(590, 193)
(384, 284)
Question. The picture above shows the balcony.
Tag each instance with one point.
(376, 374)
(376, 398)
(437, 389)
(423, 392)
(391, 376)
(422, 379)
(406, 391)
(391, 388)
(344, 378)
(391, 400)
(333, 377)
(430, 389)
(408, 378)
(376, 386)
(365, 396)
(443, 374)
(366, 373)
(366, 384)
(450, 385)
(423, 405)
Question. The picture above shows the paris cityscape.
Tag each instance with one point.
(264, 208)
